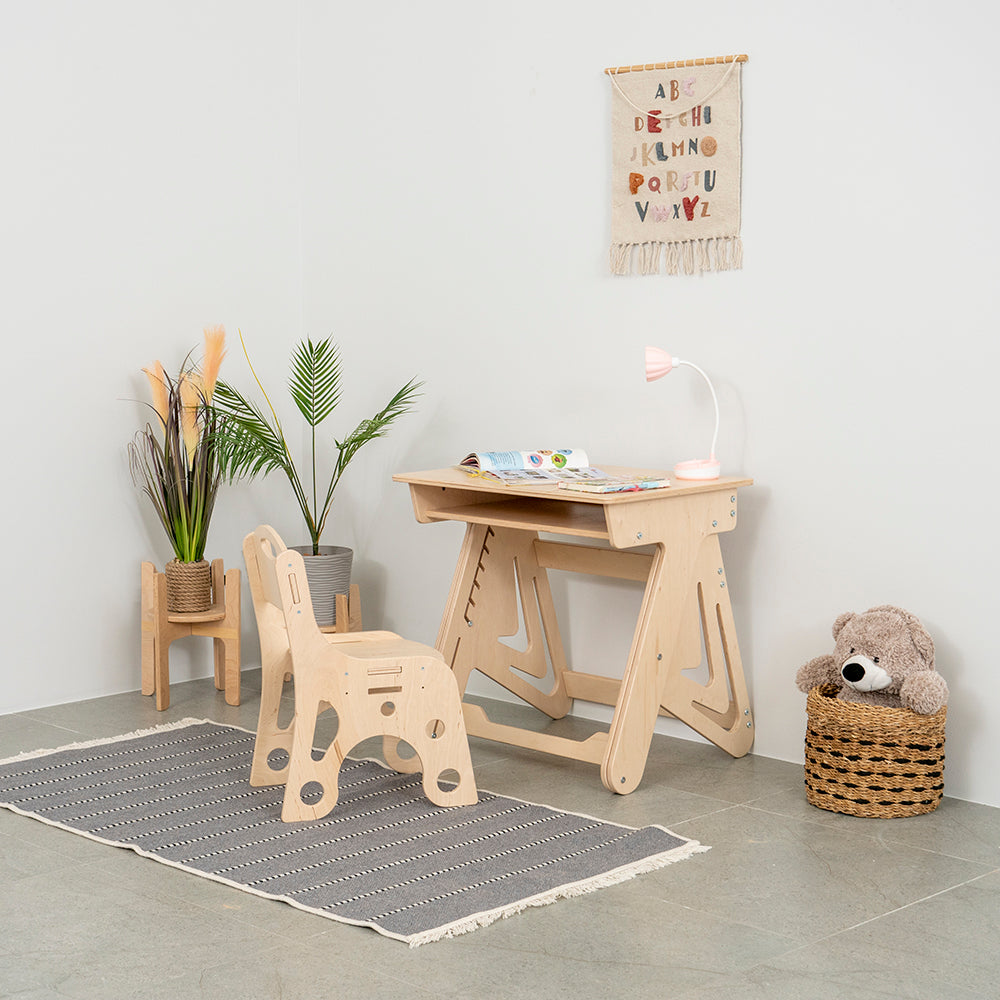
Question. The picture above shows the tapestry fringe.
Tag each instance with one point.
(687, 257)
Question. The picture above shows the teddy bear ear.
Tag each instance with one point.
(922, 640)
(840, 622)
(921, 637)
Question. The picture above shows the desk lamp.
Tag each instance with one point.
(658, 364)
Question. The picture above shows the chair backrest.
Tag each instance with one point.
(261, 548)
(280, 592)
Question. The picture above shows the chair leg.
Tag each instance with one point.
(304, 770)
(270, 735)
(435, 727)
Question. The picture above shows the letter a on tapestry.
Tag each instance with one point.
(689, 113)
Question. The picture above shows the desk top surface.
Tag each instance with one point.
(455, 478)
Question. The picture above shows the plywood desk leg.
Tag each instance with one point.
(686, 591)
(639, 697)
(720, 708)
(499, 586)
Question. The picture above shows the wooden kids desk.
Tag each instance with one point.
(667, 538)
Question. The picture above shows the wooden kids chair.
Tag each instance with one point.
(378, 684)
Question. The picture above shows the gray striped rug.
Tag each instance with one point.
(385, 857)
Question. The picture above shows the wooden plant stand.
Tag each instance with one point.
(160, 628)
(667, 539)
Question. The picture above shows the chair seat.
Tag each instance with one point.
(382, 646)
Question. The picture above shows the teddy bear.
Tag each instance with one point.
(883, 656)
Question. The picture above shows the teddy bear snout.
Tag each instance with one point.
(864, 674)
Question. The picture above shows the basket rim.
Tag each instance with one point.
(822, 700)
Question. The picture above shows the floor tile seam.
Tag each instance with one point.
(768, 794)
(44, 722)
(871, 836)
(911, 904)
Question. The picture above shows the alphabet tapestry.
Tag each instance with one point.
(676, 167)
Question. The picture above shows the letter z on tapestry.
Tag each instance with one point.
(676, 158)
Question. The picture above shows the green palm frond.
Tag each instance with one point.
(315, 380)
(250, 443)
(368, 430)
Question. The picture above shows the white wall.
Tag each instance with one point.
(429, 183)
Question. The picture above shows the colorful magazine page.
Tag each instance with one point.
(616, 484)
(540, 468)
(509, 461)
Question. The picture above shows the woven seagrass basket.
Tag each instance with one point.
(867, 760)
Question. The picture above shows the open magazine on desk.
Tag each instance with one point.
(545, 467)
(565, 469)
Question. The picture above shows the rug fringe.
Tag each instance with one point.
(105, 740)
(619, 875)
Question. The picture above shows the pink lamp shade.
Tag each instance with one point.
(660, 363)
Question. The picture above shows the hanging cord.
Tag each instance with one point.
(694, 104)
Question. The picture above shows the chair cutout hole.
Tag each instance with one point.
(448, 779)
(435, 729)
(311, 792)
(388, 708)
(277, 759)
(327, 727)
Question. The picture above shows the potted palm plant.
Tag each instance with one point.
(252, 442)
(174, 461)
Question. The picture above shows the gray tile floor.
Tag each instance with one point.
(791, 902)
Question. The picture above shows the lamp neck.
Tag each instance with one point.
(715, 401)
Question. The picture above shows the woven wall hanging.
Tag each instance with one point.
(675, 131)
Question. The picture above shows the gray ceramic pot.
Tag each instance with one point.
(328, 574)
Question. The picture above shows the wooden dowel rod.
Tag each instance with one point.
(680, 64)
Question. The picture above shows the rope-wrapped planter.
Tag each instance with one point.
(189, 586)
(868, 760)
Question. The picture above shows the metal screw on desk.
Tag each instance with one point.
(659, 656)
(732, 513)
(719, 571)
(746, 711)
(468, 622)
(715, 524)
(623, 781)
(748, 725)
(638, 534)
(732, 499)
(723, 584)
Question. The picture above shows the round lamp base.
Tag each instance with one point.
(697, 468)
